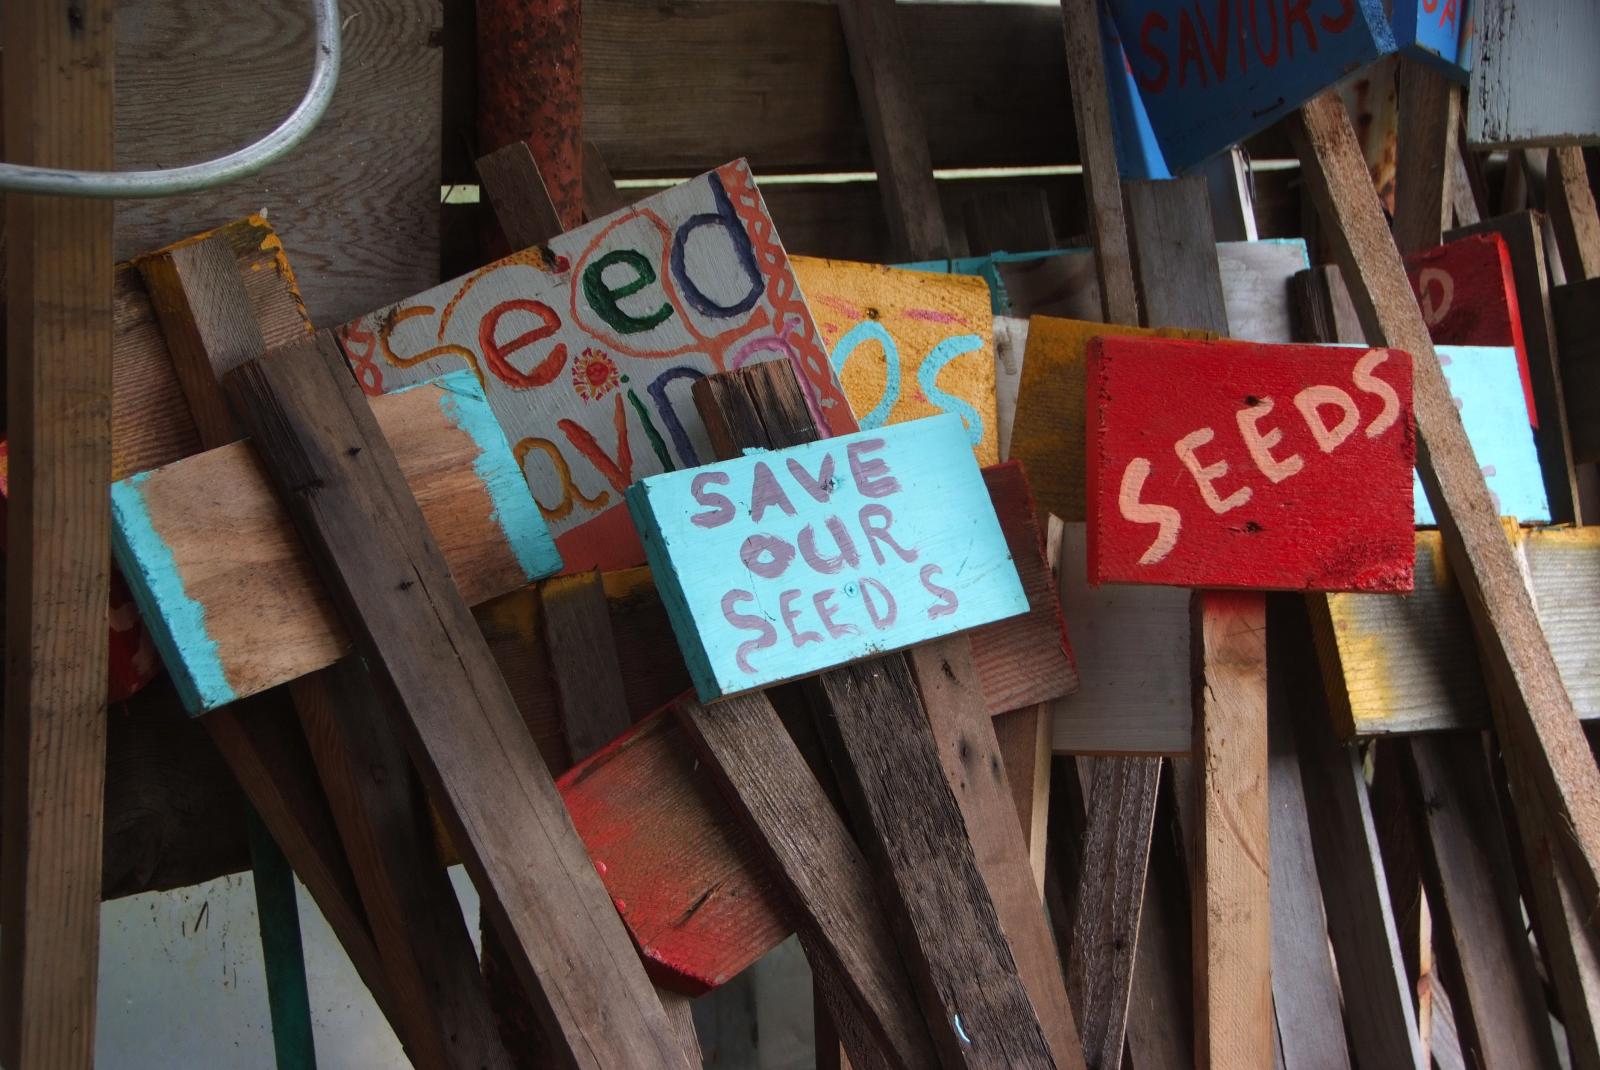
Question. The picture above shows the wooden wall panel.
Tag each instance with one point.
(357, 205)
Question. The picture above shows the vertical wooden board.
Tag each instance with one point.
(943, 568)
(1486, 389)
(1572, 213)
(358, 202)
(1048, 435)
(922, 344)
(1534, 81)
(234, 616)
(1564, 574)
(1319, 500)
(1132, 646)
(587, 347)
(1201, 100)
(1255, 287)
(1574, 307)
(1010, 346)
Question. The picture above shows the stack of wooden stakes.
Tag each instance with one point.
(881, 810)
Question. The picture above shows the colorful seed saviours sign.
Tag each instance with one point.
(587, 347)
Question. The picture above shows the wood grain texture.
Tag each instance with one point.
(1533, 712)
(1430, 113)
(383, 821)
(264, 584)
(1091, 107)
(1024, 740)
(886, 92)
(1382, 1024)
(1478, 929)
(58, 263)
(647, 119)
(463, 730)
(874, 727)
(907, 344)
(1169, 223)
(1132, 647)
(1572, 212)
(358, 202)
(843, 927)
(1230, 868)
(1553, 436)
(600, 194)
(1286, 495)
(974, 767)
(1578, 342)
(1305, 987)
(515, 186)
(1532, 83)
(1121, 804)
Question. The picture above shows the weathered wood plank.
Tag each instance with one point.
(1573, 307)
(463, 731)
(58, 263)
(1572, 212)
(1532, 81)
(358, 202)
(1430, 113)
(1533, 712)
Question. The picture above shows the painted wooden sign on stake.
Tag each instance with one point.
(1233, 465)
(908, 344)
(1212, 75)
(587, 347)
(778, 565)
(232, 622)
(1438, 32)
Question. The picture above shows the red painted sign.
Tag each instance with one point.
(1265, 467)
(1469, 298)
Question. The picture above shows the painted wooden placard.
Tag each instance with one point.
(1212, 75)
(907, 344)
(587, 347)
(781, 564)
(1534, 79)
(1468, 297)
(1396, 666)
(1047, 436)
(1230, 464)
(1439, 32)
(224, 583)
(1486, 386)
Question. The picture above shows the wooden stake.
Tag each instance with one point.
(338, 478)
(1533, 713)
(57, 93)
(1572, 211)
(887, 95)
(432, 971)
(282, 954)
(1430, 115)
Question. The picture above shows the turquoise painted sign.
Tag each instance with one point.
(1212, 74)
(1486, 385)
(780, 564)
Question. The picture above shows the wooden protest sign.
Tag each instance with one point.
(1193, 479)
(233, 616)
(587, 347)
(776, 566)
(907, 344)
(1212, 76)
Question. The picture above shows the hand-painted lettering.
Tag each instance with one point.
(766, 634)
(726, 220)
(870, 473)
(497, 354)
(789, 614)
(721, 507)
(948, 602)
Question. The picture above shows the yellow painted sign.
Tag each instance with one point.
(907, 344)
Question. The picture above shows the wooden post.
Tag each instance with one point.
(432, 972)
(282, 954)
(1572, 211)
(1552, 766)
(340, 483)
(876, 730)
(57, 93)
(887, 96)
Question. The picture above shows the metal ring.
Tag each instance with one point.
(167, 182)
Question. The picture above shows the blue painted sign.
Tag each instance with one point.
(777, 565)
(1486, 385)
(1213, 72)
(1438, 32)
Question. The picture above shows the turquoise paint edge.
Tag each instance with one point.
(465, 405)
(177, 623)
(679, 615)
